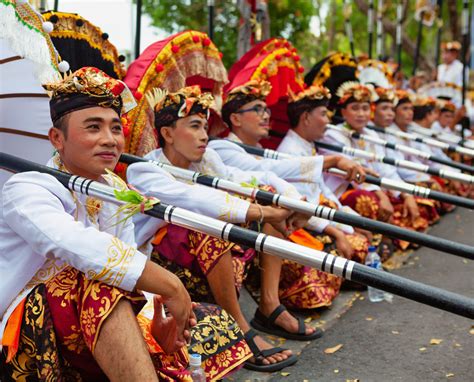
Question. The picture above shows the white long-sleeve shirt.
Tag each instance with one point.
(155, 181)
(44, 228)
(302, 169)
(296, 145)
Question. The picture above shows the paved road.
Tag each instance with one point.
(391, 342)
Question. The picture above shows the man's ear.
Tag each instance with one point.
(235, 119)
(166, 133)
(56, 137)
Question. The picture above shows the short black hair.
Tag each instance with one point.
(420, 112)
(161, 140)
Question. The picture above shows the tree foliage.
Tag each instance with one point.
(293, 19)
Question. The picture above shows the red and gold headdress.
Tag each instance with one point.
(386, 95)
(403, 96)
(451, 45)
(446, 106)
(250, 91)
(420, 101)
(88, 87)
(169, 107)
(240, 95)
(352, 91)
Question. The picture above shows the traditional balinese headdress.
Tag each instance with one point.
(386, 95)
(352, 91)
(169, 107)
(403, 96)
(239, 96)
(88, 87)
(446, 106)
(451, 45)
(306, 100)
(421, 101)
(375, 72)
(442, 90)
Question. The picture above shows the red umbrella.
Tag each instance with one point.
(184, 59)
(276, 61)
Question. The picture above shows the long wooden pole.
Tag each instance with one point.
(348, 269)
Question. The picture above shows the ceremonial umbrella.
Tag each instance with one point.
(27, 59)
(184, 59)
(82, 43)
(277, 62)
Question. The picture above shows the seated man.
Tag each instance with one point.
(308, 117)
(72, 290)
(203, 262)
(370, 201)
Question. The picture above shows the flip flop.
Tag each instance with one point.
(260, 355)
(267, 325)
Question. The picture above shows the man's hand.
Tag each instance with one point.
(180, 308)
(386, 208)
(410, 207)
(164, 329)
(343, 246)
(355, 172)
(365, 233)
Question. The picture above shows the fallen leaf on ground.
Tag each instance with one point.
(465, 261)
(361, 298)
(458, 345)
(435, 341)
(395, 332)
(333, 349)
(336, 371)
(369, 318)
(285, 374)
(422, 349)
(471, 331)
(308, 319)
(449, 375)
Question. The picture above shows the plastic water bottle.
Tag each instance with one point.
(373, 260)
(197, 373)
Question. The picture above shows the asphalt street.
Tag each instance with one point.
(401, 340)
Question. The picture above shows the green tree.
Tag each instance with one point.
(292, 19)
(289, 19)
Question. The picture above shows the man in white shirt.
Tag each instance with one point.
(451, 68)
(71, 273)
(308, 116)
(181, 122)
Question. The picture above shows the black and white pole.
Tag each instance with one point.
(347, 10)
(210, 8)
(398, 36)
(442, 173)
(138, 28)
(439, 22)
(465, 47)
(402, 148)
(382, 182)
(426, 140)
(418, 43)
(310, 209)
(348, 269)
(379, 47)
(370, 27)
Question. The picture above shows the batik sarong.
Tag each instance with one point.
(62, 321)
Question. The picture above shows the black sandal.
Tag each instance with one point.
(267, 325)
(260, 355)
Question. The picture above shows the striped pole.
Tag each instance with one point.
(347, 10)
(383, 182)
(442, 173)
(348, 269)
(310, 209)
(402, 148)
(426, 140)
